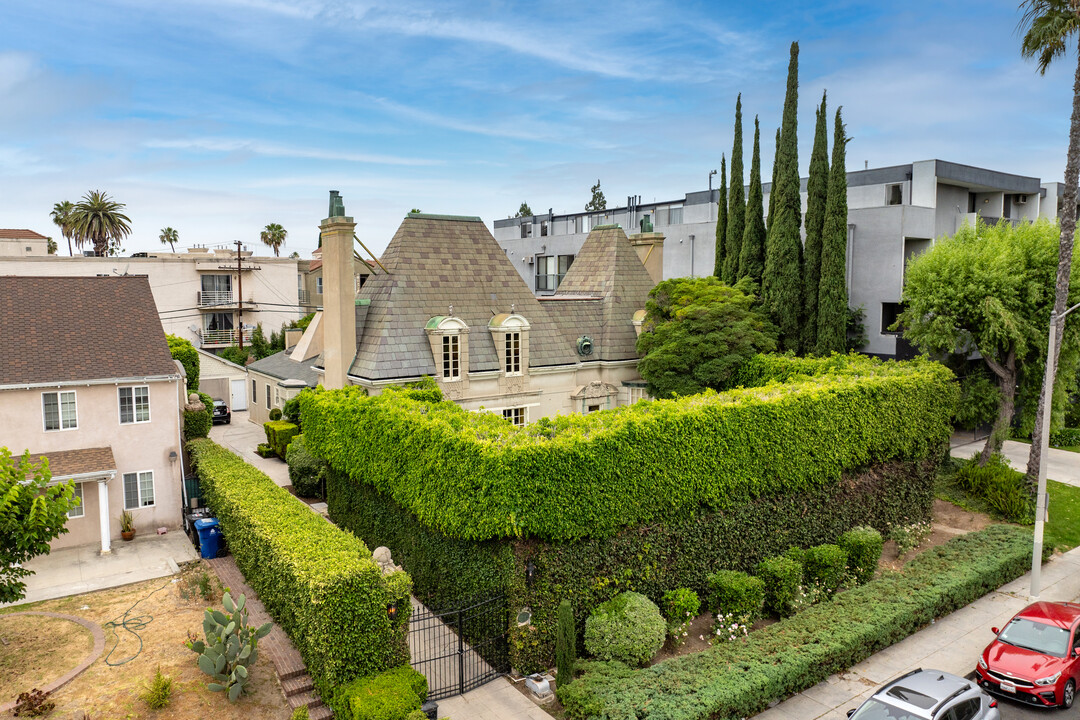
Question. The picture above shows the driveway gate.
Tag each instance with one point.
(461, 648)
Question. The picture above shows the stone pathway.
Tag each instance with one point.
(498, 700)
(289, 665)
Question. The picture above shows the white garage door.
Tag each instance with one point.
(239, 395)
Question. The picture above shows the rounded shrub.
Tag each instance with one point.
(275, 414)
(680, 605)
(863, 546)
(825, 566)
(735, 593)
(628, 628)
(782, 577)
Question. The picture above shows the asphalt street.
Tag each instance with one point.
(1016, 711)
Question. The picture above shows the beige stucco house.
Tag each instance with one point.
(18, 242)
(446, 302)
(87, 382)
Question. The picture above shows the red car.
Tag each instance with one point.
(1036, 657)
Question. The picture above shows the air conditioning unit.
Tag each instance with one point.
(530, 259)
(1021, 199)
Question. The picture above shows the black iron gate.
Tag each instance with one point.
(460, 648)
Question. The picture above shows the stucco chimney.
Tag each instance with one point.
(650, 248)
(339, 295)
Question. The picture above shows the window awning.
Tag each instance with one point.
(84, 464)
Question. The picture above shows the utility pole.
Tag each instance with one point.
(239, 296)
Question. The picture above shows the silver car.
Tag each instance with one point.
(928, 695)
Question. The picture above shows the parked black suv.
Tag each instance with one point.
(222, 412)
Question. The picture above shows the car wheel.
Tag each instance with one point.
(229, 421)
(1069, 695)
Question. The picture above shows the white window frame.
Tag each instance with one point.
(512, 353)
(80, 511)
(138, 488)
(59, 411)
(134, 407)
(318, 285)
(523, 413)
(451, 357)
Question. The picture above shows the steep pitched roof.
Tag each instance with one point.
(63, 329)
(607, 266)
(435, 262)
(20, 234)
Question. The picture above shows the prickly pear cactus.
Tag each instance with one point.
(230, 647)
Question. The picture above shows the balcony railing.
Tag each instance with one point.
(223, 337)
(302, 296)
(215, 297)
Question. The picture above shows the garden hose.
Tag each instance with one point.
(131, 625)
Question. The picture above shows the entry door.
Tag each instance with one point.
(239, 395)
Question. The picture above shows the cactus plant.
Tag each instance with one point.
(230, 647)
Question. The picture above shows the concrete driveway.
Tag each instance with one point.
(242, 436)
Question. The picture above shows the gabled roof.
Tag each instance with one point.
(64, 329)
(20, 234)
(435, 262)
(608, 267)
(281, 366)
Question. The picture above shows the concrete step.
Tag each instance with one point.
(304, 698)
(296, 685)
(320, 713)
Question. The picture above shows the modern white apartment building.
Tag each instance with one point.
(893, 213)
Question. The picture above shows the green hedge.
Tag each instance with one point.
(782, 576)
(390, 695)
(320, 584)
(197, 424)
(739, 679)
(181, 349)
(825, 566)
(736, 593)
(863, 546)
(474, 476)
(680, 552)
(279, 433)
(306, 472)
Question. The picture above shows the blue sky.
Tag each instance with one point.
(217, 117)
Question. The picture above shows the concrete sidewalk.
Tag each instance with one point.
(1061, 465)
(242, 436)
(952, 644)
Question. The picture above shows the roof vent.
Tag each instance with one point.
(584, 345)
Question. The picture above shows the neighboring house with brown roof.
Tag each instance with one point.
(450, 305)
(22, 243)
(87, 381)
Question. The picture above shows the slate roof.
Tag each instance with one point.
(435, 262)
(64, 329)
(607, 266)
(66, 463)
(20, 234)
(281, 366)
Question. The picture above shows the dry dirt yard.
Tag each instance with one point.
(39, 650)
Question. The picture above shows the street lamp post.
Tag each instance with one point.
(1044, 445)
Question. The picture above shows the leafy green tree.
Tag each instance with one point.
(526, 211)
(96, 219)
(721, 221)
(273, 235)
(61, 217)
(50, 246)
(598, 201)
(817, 192)
(989, 290)
(736, 203)
(697, 332)
(260, 347)
(781, 287)
(832, 307)
(181, 349)
(32, 513)
(169, 237)
(236, 354)
(752, 257)
(1049, 26)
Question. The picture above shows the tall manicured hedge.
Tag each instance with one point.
(473, 476)
(306, 472)
(279, 433)
(682, 551)
(319, 583)
(734, 680)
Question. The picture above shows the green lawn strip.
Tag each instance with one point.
(1063, 530)
(735, 680)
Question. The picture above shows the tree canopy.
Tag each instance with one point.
(697, 332)
(598, 201)
(32, 513)
(524, 210)
(274, 236)
(169, 237)
(96, 219)
(990, 289)
(61, 217)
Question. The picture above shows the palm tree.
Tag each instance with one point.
(1048, 27)
(274, 236)
(97, 219)
(169, 237)
(61, 217)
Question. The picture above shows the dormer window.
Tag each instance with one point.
(451, 357)
(512, 356)
(510, 333)
(449, 346)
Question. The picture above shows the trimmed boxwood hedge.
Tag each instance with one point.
(319, 583)
(391, 695)
(680, 552)
(474, 476)
(279, 433)
(739, 679)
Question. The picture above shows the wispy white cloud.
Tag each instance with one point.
(259, 147)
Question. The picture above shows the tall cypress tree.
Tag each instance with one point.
(832, 293)
(817, 191)
(772, 187)
(736, 204)
(782, 288)
(721, 222)
(752, 258)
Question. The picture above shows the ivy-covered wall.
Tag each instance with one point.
(474, 476)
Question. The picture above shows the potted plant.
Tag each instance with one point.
(127, 526)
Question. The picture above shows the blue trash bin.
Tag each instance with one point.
(209, 537)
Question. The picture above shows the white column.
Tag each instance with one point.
(103, 514)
